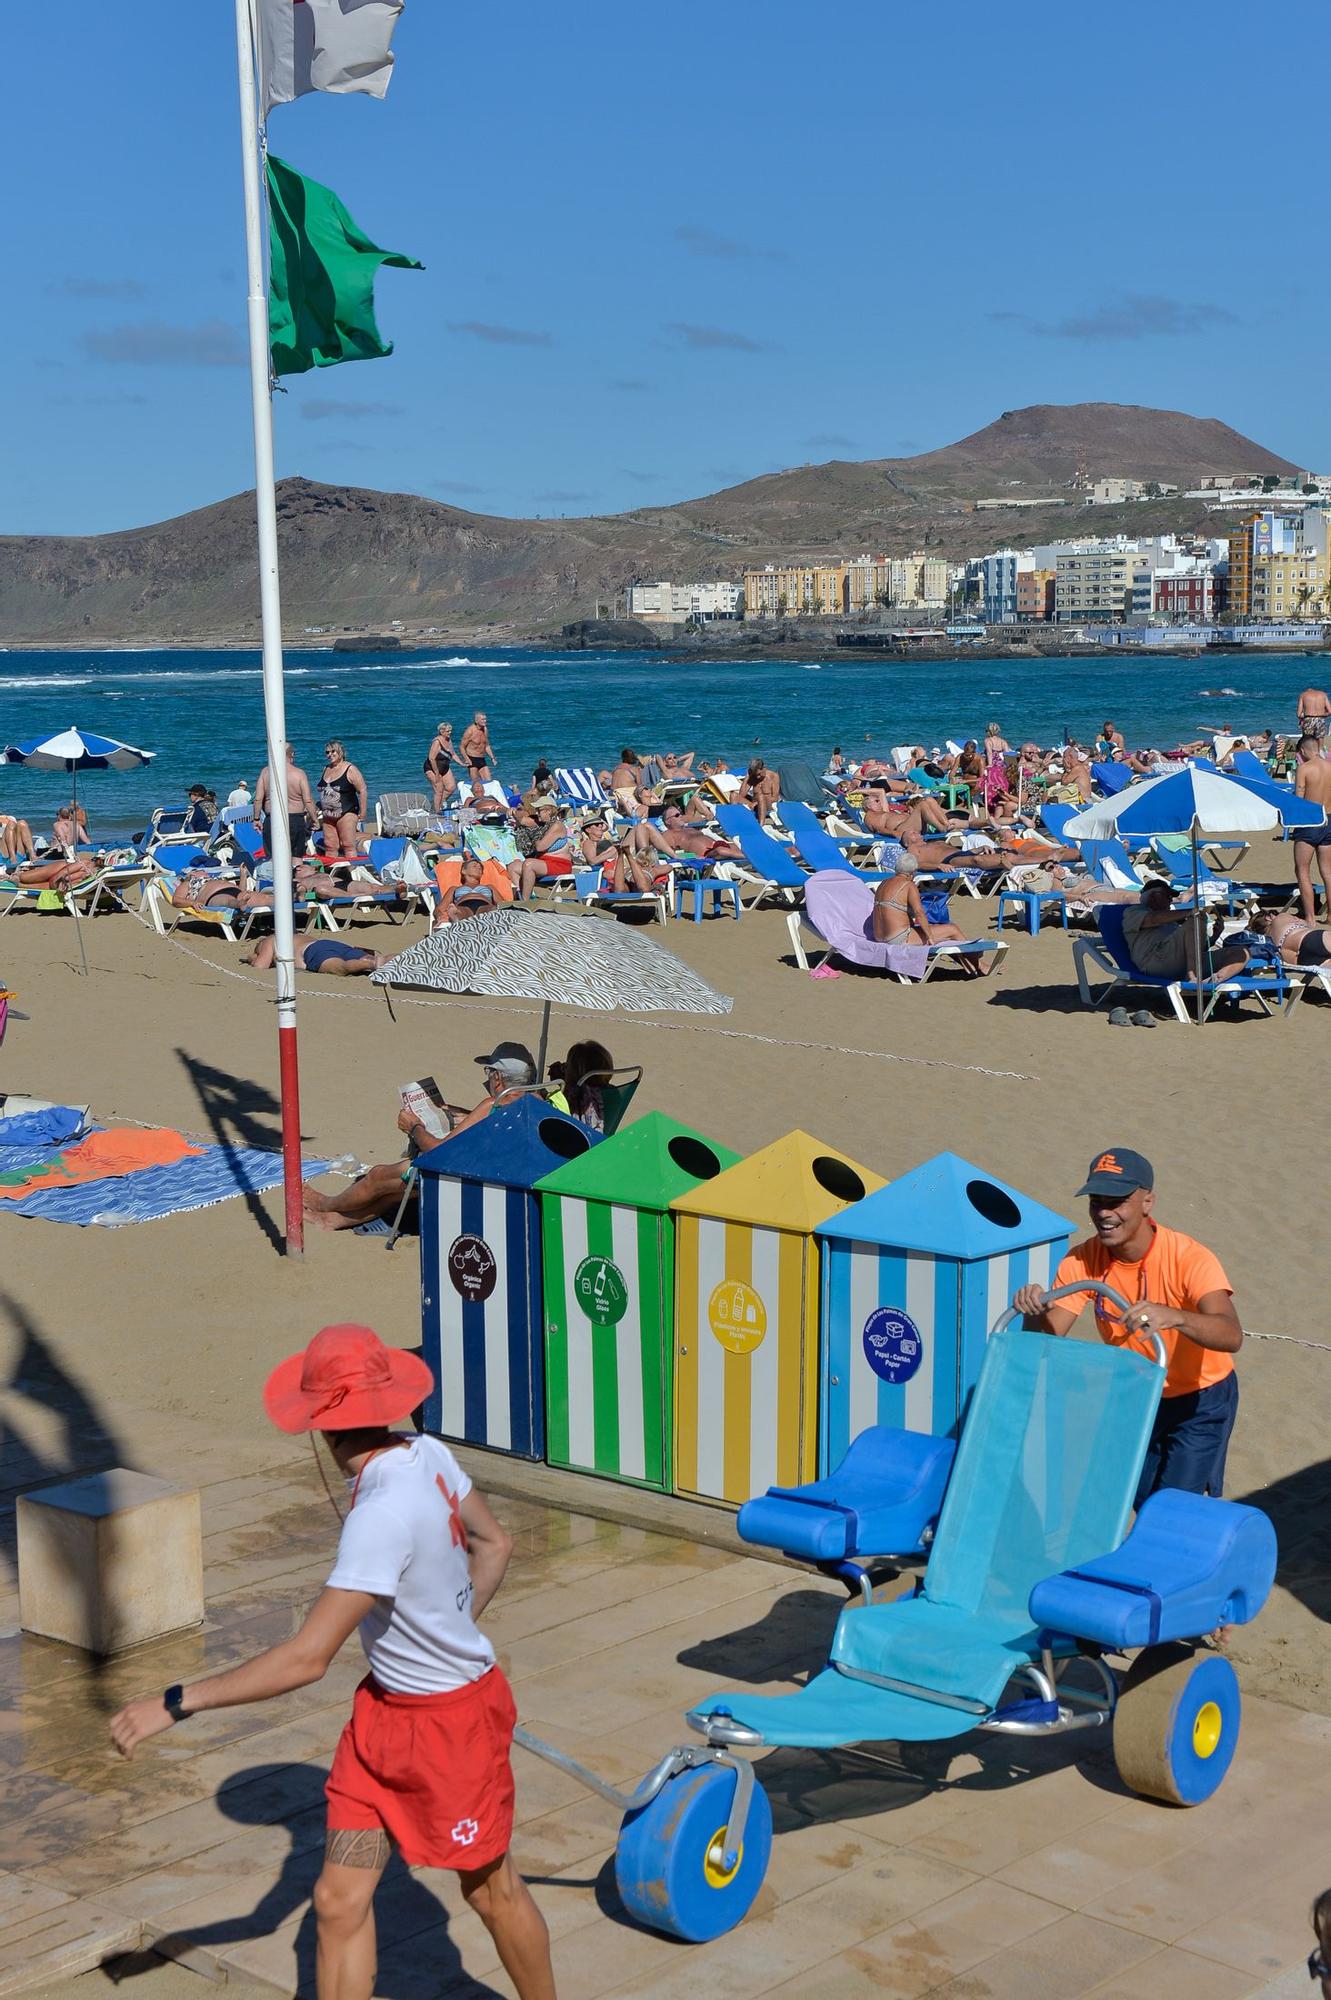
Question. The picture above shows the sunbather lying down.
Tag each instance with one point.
(197, 890)
(318, 955)
(60, 874)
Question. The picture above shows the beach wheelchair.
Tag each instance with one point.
(1032, 1577)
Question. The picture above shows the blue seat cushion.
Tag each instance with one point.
(835, 1709)
(886, 1491)
(1188, 1564)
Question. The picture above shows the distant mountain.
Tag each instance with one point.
(356, 558)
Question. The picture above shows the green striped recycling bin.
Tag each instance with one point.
(608, 1243)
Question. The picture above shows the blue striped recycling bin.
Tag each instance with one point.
(482, 1327)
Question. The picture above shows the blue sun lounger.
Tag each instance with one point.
(1109, 954)
(1031, 1580)
(775, 865)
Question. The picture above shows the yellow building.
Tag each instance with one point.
(1289, 586)
(796, 590)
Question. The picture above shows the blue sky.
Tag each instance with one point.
(666, 249)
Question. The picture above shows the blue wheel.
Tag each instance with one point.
(669, 1863)
(1176, 1727)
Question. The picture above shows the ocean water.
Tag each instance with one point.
(202, 712)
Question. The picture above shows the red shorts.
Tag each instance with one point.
(554, 864)
(432, 1770)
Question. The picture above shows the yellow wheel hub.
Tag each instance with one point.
(717, 1876)
(1206, 1728)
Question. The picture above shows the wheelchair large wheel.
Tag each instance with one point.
(1177, 1724)
(668, 1863)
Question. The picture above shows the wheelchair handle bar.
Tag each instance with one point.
(1005, 1319)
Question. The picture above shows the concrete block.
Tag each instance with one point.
(109, 1561)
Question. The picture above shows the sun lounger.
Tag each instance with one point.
(402, 813)
(840, 912)
(1109, 955)
(801, 782)
(772, 868)
(589, 888)
(1112, 778)
(580, 786)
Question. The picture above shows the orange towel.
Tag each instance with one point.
(449, 873)
(105, 1156)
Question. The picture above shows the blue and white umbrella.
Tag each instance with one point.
(76, 750)
(1200, 803)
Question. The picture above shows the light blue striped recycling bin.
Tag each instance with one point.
(482, 1326)
(914, 1277)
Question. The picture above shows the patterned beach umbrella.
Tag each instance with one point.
(528, 955)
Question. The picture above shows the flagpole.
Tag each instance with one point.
(270, 605)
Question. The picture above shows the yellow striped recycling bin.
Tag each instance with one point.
(746, 1317)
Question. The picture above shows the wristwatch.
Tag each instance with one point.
(172, 1699)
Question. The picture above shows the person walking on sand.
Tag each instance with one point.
(477, 749)
(439, 761)
(300, 807)
(344, 803)
(1312, 781)
(1314, 713)
(423, 1765)
(1175, 1288)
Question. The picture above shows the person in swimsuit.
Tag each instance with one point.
(760, 789)
(60, 874)
(551, 854)
(1297, 941)
(70, 827)
(899, 913)
(477, 749)
(16, 839)
(677, 835)
(621, 869)
(439, 761)
(465, 897)
(318, 954)
(1110, 744)
(300, 807)
(343, 803)
(196, 890)
(1312, 781)
(1314, 713)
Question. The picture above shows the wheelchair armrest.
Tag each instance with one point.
(883, 1499)
(1187, 1565)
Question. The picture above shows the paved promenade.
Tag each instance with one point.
(981, 1869)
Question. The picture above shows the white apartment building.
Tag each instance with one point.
(676, 603)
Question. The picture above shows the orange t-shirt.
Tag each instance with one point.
(1176, 1271)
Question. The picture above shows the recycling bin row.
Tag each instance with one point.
(655, 1309)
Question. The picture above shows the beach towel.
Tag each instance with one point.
(449, 873)
(210, 1175)
(491, 843)
(102, 1156)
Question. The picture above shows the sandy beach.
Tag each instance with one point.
(158, 1337)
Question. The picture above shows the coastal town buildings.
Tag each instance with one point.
(677, 603)
(1278, 564)
(819, 590)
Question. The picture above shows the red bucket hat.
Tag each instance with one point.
(345, 1380)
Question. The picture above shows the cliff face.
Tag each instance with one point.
(353, 557)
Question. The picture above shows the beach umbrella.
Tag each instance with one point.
(1199, 803)
(585, 962)
(75, 750)
(72, 751)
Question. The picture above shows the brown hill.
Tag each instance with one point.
(355, 558)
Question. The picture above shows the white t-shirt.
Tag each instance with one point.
(404, 1542)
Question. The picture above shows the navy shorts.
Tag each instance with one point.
(1189, 1440)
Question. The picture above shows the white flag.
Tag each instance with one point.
(339, 45)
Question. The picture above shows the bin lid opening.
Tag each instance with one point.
(562, 1136)
(699, 1162)
(837, 1178)
(993, 1204)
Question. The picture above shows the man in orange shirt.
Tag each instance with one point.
(1175, 1287)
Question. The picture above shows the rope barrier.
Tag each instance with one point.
(454, 1002)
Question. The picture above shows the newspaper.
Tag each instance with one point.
(425, 1101)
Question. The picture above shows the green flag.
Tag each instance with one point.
(322, 273)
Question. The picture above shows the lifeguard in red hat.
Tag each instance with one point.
(423, 1764)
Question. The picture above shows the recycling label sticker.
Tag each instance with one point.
(893, 1344)
(601, 1290)
(737, 1316)
(472, 1269)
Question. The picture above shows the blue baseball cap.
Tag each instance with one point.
(1118, 1170)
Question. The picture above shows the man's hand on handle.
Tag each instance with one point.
(1029, 1301)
